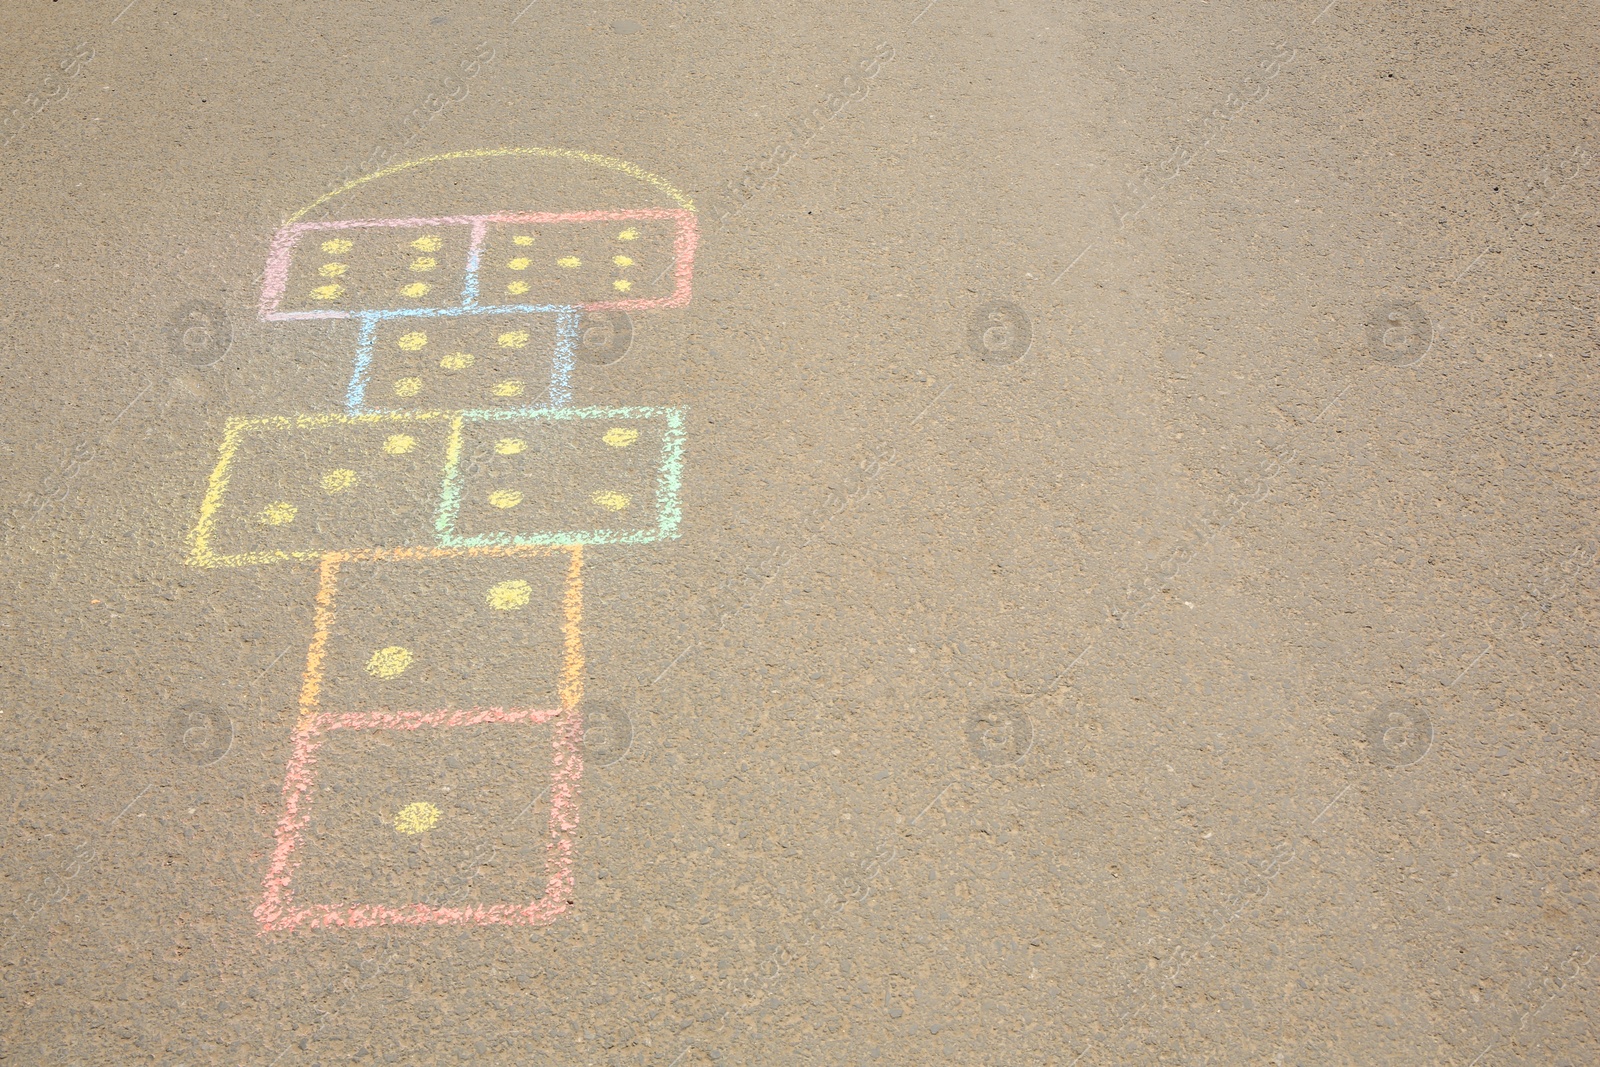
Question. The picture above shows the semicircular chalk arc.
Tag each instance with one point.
(609, 162)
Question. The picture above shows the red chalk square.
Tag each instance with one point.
(438, 818)
(461, 814)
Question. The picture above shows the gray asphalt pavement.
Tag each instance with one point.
(663, 534)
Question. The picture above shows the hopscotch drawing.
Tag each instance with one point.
(446, 502)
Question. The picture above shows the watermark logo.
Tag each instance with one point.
(604, 337)
(1400, 335)
(199, 334)
(200, 733)
(1400, 733)
(999, 733)
(607, 734)
(999, 333)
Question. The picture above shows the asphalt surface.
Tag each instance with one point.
(654, 534)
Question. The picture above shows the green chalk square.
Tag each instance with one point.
(562, 476)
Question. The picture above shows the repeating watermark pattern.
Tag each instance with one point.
(1154, 179)
(1545, 591)
(1399, 734)
(1530, 202)
(200, 733)
(604, 337)
(55, 88)
(1199, 535)
(1158, 976)
(58, 883)
(199, 334)
(607, 734)
(736, 593)
(451, 90)
(999, 333)
(1537, 194)
(1000, 732)
(1553, 986)
(1400, 335)
(760, 173)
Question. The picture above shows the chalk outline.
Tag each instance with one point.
(568, 319)
(567, 322)
(277, 911)
(633, 170)
(669, 476)
(686, 239)
(567, 734)
(668, 484)
(200, 554)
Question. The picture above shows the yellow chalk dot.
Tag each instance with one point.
(612, 501)
(620, 437)
(569, 261)
(410, 342)
(622, 285)
(278, 513)
(427, 244)
(456, 361)
(622, 261)
(414, 290)
(517, 288)
(513, 339)
(389, 662)
(522, 239)
(505, 498)
(520, 263)
(328, 292)
(407, 386)
(332, 270)
(509, 596)
(337, 246)
(630, 234)
(399, 444)
(337, 481)
(509, 387)
(422, 263)
(416, 818)
(510, 446)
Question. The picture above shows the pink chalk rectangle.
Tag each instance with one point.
(278, 910)
(686, 239)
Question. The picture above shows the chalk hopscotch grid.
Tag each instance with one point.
(200, 538)
(277, 910)
(685, 240)
(568, 319)
(469, 289)
(668, 482)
